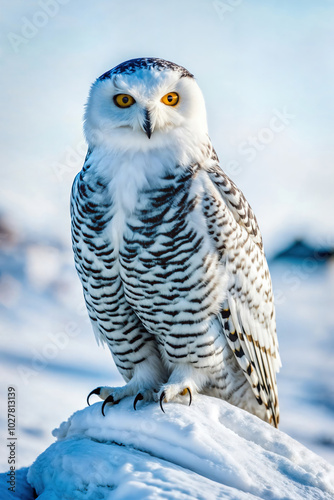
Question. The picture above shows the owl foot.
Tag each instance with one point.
(113, 395)
(164, 396)
(144, 395)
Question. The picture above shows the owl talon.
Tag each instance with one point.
(109, 399)
(185, 391)
(162, 397)
(139, 397)
(94, 391)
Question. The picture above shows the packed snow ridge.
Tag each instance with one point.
(210, 450)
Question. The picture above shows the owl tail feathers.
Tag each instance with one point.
(251, 345)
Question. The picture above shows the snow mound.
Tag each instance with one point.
(23, 490)
(206, 451)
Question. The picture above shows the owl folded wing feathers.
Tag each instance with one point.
(248, 316)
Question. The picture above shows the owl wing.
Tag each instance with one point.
(248, 314)
(237, 203)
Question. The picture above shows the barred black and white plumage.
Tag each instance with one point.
(167, 248)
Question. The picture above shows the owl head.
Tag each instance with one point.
(143, 104)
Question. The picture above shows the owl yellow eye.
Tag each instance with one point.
(170, 99)
(123, 100)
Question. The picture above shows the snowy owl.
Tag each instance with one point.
(168, 250)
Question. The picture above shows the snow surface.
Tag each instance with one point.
(207, 451)
(23, 490)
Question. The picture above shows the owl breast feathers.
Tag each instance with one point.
(168, 250)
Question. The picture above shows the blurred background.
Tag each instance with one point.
(267, 73)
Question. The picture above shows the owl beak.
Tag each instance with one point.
(147, 125)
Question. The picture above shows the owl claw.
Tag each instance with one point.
(185, 391)
(109, 399)
(139, 397)
(161, 400)
(182, 393)
(94, 391)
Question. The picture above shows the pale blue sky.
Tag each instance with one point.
(250, 59)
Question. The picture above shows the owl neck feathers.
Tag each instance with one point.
(176, 147)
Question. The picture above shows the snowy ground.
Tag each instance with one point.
(207, 451)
